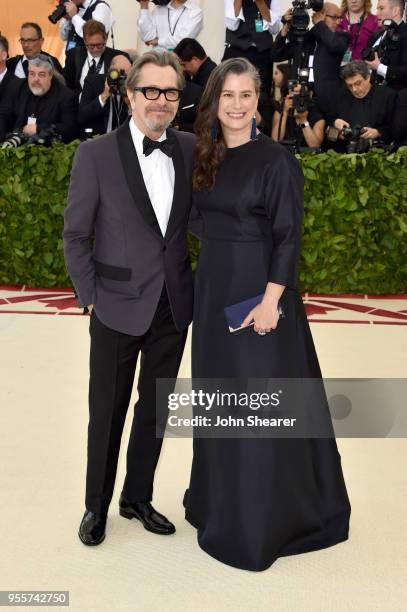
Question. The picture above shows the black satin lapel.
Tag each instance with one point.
(182, 191)
(134, 176)
(82, 56)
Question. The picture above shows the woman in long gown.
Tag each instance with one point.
(254, 500)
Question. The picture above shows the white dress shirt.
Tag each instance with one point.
(158, 174)
(170, 25)
(101, 13)
(19, 70)
(233, 22)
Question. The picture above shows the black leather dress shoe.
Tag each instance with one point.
(92, 528)
(144, 512)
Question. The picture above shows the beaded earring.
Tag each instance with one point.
(253, 135)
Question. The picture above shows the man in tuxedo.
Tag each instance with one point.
(389, 46)
(43, 101)
(93, 58)
(31, 40)
(196, 64)
(126, 252)
(321, 52)
(100, 108)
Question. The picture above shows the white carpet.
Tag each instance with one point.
(43, 420)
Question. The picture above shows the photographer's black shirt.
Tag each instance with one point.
(375, 110)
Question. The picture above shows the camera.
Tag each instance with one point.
(390, 41)
(116, 79)
(300, 18)
(302, 98)
(58, 13)
(14, 139)
(45, 138)
(352, 136)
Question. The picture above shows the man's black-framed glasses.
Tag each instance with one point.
(153, 93)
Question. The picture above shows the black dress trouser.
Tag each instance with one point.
(113, 359)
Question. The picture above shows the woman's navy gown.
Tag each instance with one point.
(254, 500)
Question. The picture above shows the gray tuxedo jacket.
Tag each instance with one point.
(115, 252)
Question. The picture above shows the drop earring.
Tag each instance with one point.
(253, 135)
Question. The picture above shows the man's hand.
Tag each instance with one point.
(373, 65)
(317, 17)
(144, 5)
(105, 93)
(30, 129)
(71, 9)
(369, 133)
(340, 124)
(152, 43)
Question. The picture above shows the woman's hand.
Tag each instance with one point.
(288, 103)
(301, 117)
(265, 317)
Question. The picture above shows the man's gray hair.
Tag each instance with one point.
(42, 61)
(354, 68)
(158, 58)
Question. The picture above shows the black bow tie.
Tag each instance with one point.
(166, 146)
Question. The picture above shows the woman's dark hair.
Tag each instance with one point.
(210, 152)
(285, 71)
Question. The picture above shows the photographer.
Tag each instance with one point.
(104, 105)
(250, 25)
(31, 40)
(362, 104)
(92, 58)
(42, 102)
(194, 61)
(386, 51)
(76, 13)
(321, 51)
(305, 127)
(169, 22)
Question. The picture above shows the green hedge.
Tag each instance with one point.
(355, 224)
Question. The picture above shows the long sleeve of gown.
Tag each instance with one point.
(284, 202)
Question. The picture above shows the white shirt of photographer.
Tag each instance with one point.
(272, 27)
(102, 13)
(170, 25)
(159, 176)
